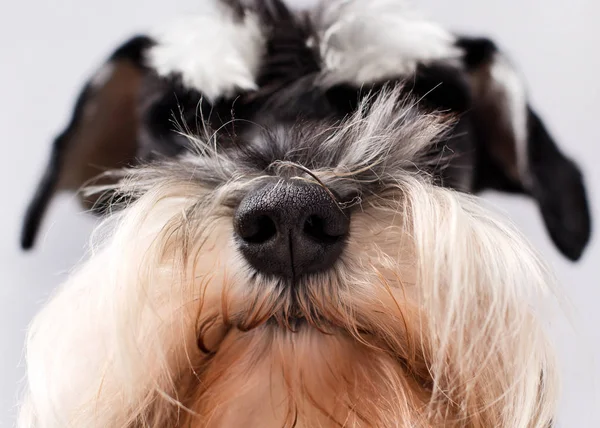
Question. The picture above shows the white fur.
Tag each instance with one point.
(102, 76)
(438, 279)
(213, 53)
(368, 40)
(438, 294)
(509, 85)
(113, 344)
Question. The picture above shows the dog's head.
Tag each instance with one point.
(300, 263)
(312, 275)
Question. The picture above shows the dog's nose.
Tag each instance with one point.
(291, 228)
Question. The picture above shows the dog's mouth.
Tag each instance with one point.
(213, 331)
(317, 302)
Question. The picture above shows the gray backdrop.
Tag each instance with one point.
(49, 48)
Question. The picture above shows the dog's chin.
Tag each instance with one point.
(271, 376)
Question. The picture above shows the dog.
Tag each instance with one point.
(290, 237)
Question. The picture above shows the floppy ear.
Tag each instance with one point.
(129, 111)
(101, 135)
(557, 185)
(517, 153)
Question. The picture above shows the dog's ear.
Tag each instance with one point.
(557, 185)
(148, 90)
(517, 153)
(101, 135)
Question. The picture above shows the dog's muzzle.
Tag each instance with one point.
(291, 228)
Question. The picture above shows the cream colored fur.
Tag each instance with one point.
(432, 316)
(428, 320)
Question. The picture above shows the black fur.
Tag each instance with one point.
(133, 50)
(49, 181)
(291, 91)
(477, 51)
(567, 217)
(47, 186)
(166, 105)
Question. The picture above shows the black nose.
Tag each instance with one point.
(291, 228)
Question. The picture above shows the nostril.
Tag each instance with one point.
(290, 229)
(260, 230)
(316, 228)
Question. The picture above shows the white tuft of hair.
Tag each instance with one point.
(214, 51)
(105, 349)
(369, 40)
(508, 87)
(486, 296)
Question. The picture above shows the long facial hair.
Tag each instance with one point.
(428, 319)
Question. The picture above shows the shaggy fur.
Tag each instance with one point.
(239, 63)
(430, 317)
(229, 62)
(355, 39)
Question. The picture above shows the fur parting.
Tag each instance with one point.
(214, 52)
(431, 317)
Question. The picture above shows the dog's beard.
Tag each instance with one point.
(424, 321)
